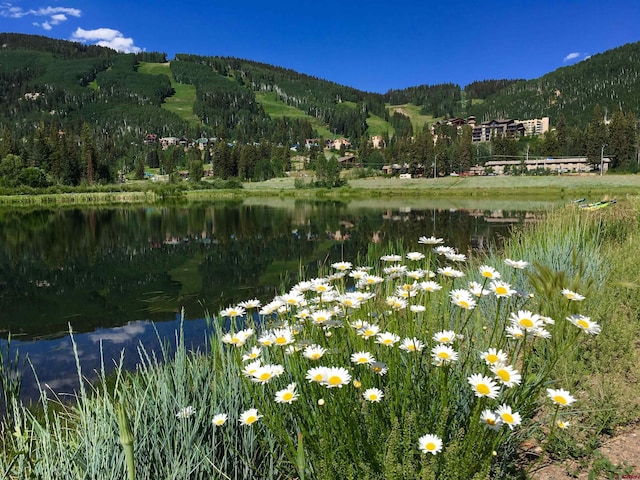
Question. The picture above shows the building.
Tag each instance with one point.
(555, 165)
(509, 128)
(535, 126)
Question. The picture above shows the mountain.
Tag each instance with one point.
(59, 95)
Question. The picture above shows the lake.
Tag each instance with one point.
(120, 276)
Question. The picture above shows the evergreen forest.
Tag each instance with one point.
(77, 115)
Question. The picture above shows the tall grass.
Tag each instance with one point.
(362, 407)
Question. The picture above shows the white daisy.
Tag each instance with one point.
(287, 395)
(430, 240)
(585, 324)
(314, 352)
(249, 417)
(430, 444)
(519, 264)
(362, 358)
(412, 345)
(387, 338)
(573, 296)
(373, 394)
(507, 375)
(219, 419)
(560, 397)
(483, 386)
(489, 272)
(511, 418)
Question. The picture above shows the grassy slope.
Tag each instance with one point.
(181, 103)
(276, 108)
(413, 112)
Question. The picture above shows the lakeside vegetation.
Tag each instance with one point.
(367, 425)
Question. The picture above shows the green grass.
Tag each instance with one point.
(275, 107)
(181, 102)
(378, 126)
(413, 112)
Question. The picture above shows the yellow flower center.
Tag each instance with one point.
(560, 399)
(483, 389)
(501, 290)
(463, 303)
(443, 355)
(411, 348)
(265, 376)
(235, 340)
(444, 339)
(314, 356)
(335, 380)
(491, 421)
(318, 377)
(583, 324)
(487, 274)
(219, 422)
(430, 446)
(281, 340)
(504, 375)
(251, 419)
(287, 396)
(387, 341)
(507, 417)
(526, 322)
(492, 358)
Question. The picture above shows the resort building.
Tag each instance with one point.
(555, 165)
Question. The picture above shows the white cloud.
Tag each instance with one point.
(106, 37)
(571, 56)
(56, 15)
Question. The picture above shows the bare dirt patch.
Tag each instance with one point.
(621, 450)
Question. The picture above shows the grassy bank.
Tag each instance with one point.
(379, 373)
(592, 187)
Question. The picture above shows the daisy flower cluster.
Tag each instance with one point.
(388, 338)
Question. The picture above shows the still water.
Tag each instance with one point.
(120, 276)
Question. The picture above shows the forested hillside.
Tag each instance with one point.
(75, 114)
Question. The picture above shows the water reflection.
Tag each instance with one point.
(110, 272)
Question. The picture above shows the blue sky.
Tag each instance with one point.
(373, 46)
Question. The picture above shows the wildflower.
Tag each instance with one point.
(430, 240)
(348, 300)
(232, 312)
(270, 307)
(266, 339)
(430, 444)
(357, 384)
(391, 258)
(237, 339)
(514, 332)
(490, 420)
(526, 320)
(282, 336)
(250, 304)
(415, 256)
(450, 272)
(380, 368)
(362, 358)
(456, 257)
(573, 296)
(562, 424)
(394, 271)
(316, 374)
(219, 419)
(265, 373)
(292, 299)
(396, 303)
(186, 412)
(501, 289)
(373, 394)
(443, 354)
(476, 289)
(372, 279)
(585, 324)
(483, 386)
(416, 274)
(251, 368)
(507, 375)
(314, 352)
(387, 338)
(321, 317)
(445, 336)
(541, 333)
(430, 286)
(511, 418)
(462, 298)
(489, 272)
(560, 397)
(252, 354)
(368, 330)
(321, 402)
(442, 250)
(494, 357)
(287, 395)
(417, 308)
(249, 417)
(342, 266)
(358, 274)
(321, 286)
(519, 264)
(336, 377)
(412, 345)
(302, 286)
